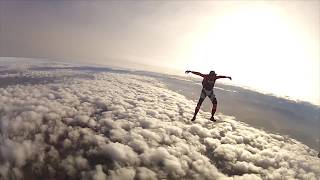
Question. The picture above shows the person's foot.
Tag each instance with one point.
(212, 119)
(194, 118)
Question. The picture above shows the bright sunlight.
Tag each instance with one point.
(257, 44)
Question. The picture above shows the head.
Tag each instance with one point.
(212, 73)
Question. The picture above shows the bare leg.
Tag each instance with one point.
(197, 108)
(214, 108)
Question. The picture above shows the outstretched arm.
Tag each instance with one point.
(194, 72)
(218, 77)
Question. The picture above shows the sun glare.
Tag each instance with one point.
(257, 45)
(241, 37)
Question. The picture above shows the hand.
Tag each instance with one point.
(187, 71)
(230, 78)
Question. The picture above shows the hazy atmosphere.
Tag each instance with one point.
(272, 46)
(98, 90)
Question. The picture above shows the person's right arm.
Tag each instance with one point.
(218, 77)
(194, 72)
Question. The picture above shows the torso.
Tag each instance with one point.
(208, 82)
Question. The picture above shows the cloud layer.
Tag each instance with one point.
(122, 126)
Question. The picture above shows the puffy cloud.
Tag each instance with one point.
(145, 174)
(122, 173)
(123, 126)
(119, 153)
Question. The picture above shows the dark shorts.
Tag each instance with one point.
(209, 93)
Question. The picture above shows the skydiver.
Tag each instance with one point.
(207, 90)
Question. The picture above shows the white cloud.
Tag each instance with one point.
(122, 174)
(122, 126)
(98, 174)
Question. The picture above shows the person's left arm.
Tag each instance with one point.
(219, 77)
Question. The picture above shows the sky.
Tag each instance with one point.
(271, 46)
